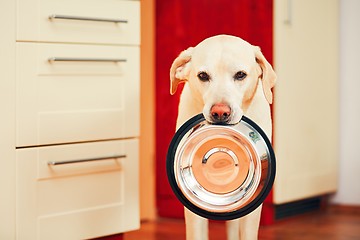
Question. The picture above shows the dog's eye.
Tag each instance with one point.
(203, 76)
(240, 76)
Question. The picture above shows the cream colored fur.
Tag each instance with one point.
(222, 57)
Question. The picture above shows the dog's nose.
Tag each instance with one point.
(220, 112)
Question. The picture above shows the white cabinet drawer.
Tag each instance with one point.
(76, 101)
(34, 24)
(88, 199)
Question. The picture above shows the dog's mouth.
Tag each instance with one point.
(220, 122)
(229, 121)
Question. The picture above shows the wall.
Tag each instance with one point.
(349, 166)
(147, 111)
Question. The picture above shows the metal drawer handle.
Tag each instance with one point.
(54, 163)
(60, 59)
(67, 17)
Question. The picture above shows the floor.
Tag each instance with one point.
(340, 223)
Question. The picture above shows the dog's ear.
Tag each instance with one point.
(268, 76)
(179, 70)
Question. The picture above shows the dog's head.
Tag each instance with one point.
(223, 72)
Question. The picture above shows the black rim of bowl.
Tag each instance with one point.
(216, 215)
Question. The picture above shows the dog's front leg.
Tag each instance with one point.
(249, 225)
(233, 229)
(196, 226)
(245, 228)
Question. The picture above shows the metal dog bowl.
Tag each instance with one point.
(220, 172)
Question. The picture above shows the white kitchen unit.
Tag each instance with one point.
(70, 82)
(306, 109)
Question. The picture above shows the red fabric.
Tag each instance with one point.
(184, 23)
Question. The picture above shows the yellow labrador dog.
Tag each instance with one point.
(225, 78)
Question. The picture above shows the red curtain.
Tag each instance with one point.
(184, 23)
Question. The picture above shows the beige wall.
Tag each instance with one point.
(147, 111)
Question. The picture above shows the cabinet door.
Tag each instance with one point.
(306, 98)
(89, 92)
(77, 191)
(80, 21)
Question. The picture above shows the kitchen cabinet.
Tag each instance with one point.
(70, 118)
(306, 109)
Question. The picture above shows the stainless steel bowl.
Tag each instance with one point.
(220, 172)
